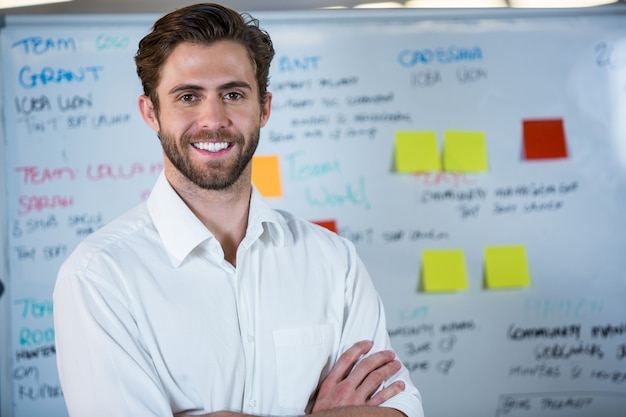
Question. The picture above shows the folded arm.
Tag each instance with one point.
(364, 411)
(352, 388)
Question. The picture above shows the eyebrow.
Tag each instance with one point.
(192, 87)
(185, 87)
(236, 84)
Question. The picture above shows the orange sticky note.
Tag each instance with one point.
(329, 224)
(506, 267)
(266, 175)
(443, 270)
(544, 139)
(464, 151)
(417, 152)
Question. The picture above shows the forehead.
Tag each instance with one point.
(220, 59)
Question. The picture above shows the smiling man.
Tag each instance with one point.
(204, 300)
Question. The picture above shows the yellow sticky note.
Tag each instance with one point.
(506, 267)
(464, 151)
(443, 270)
(266, 175)
(417, 152)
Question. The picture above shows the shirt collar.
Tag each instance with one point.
(181, 231)
(271, 221)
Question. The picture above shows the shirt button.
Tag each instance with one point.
(253, 403)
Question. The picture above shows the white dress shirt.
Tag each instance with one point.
(151, 320)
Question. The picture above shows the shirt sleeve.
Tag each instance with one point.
(365, 320)
(102, 367)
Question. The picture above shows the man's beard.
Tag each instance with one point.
(214, 175)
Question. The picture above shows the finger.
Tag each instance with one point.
(375, 379)
(346, 361)
(386, 393)
(370, 364)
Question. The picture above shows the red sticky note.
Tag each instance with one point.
(544, 139)
(329, 224)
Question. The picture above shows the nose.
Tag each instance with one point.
(212, 115)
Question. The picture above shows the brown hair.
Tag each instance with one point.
(203, 23)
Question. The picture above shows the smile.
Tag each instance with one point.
(211, 146)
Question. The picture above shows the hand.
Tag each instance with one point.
(350, 385)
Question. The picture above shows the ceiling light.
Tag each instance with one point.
(7, 4)
(456, 3)
(559, 3)
(383, 5)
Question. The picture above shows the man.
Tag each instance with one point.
(204, 300)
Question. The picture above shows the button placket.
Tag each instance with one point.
(246, 307)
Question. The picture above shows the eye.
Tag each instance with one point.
(233, 96)
(187, 98)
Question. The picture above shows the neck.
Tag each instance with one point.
(223, 212)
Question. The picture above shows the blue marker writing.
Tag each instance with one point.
(39, 46)
(29, 78)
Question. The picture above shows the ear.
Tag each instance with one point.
(146, 108)
(266, 108)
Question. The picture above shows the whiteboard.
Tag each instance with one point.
(77, 154)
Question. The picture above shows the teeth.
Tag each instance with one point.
(211, 146)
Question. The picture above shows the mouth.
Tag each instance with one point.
(211, 146)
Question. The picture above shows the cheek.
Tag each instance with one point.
(248, 120)
(176, 126)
